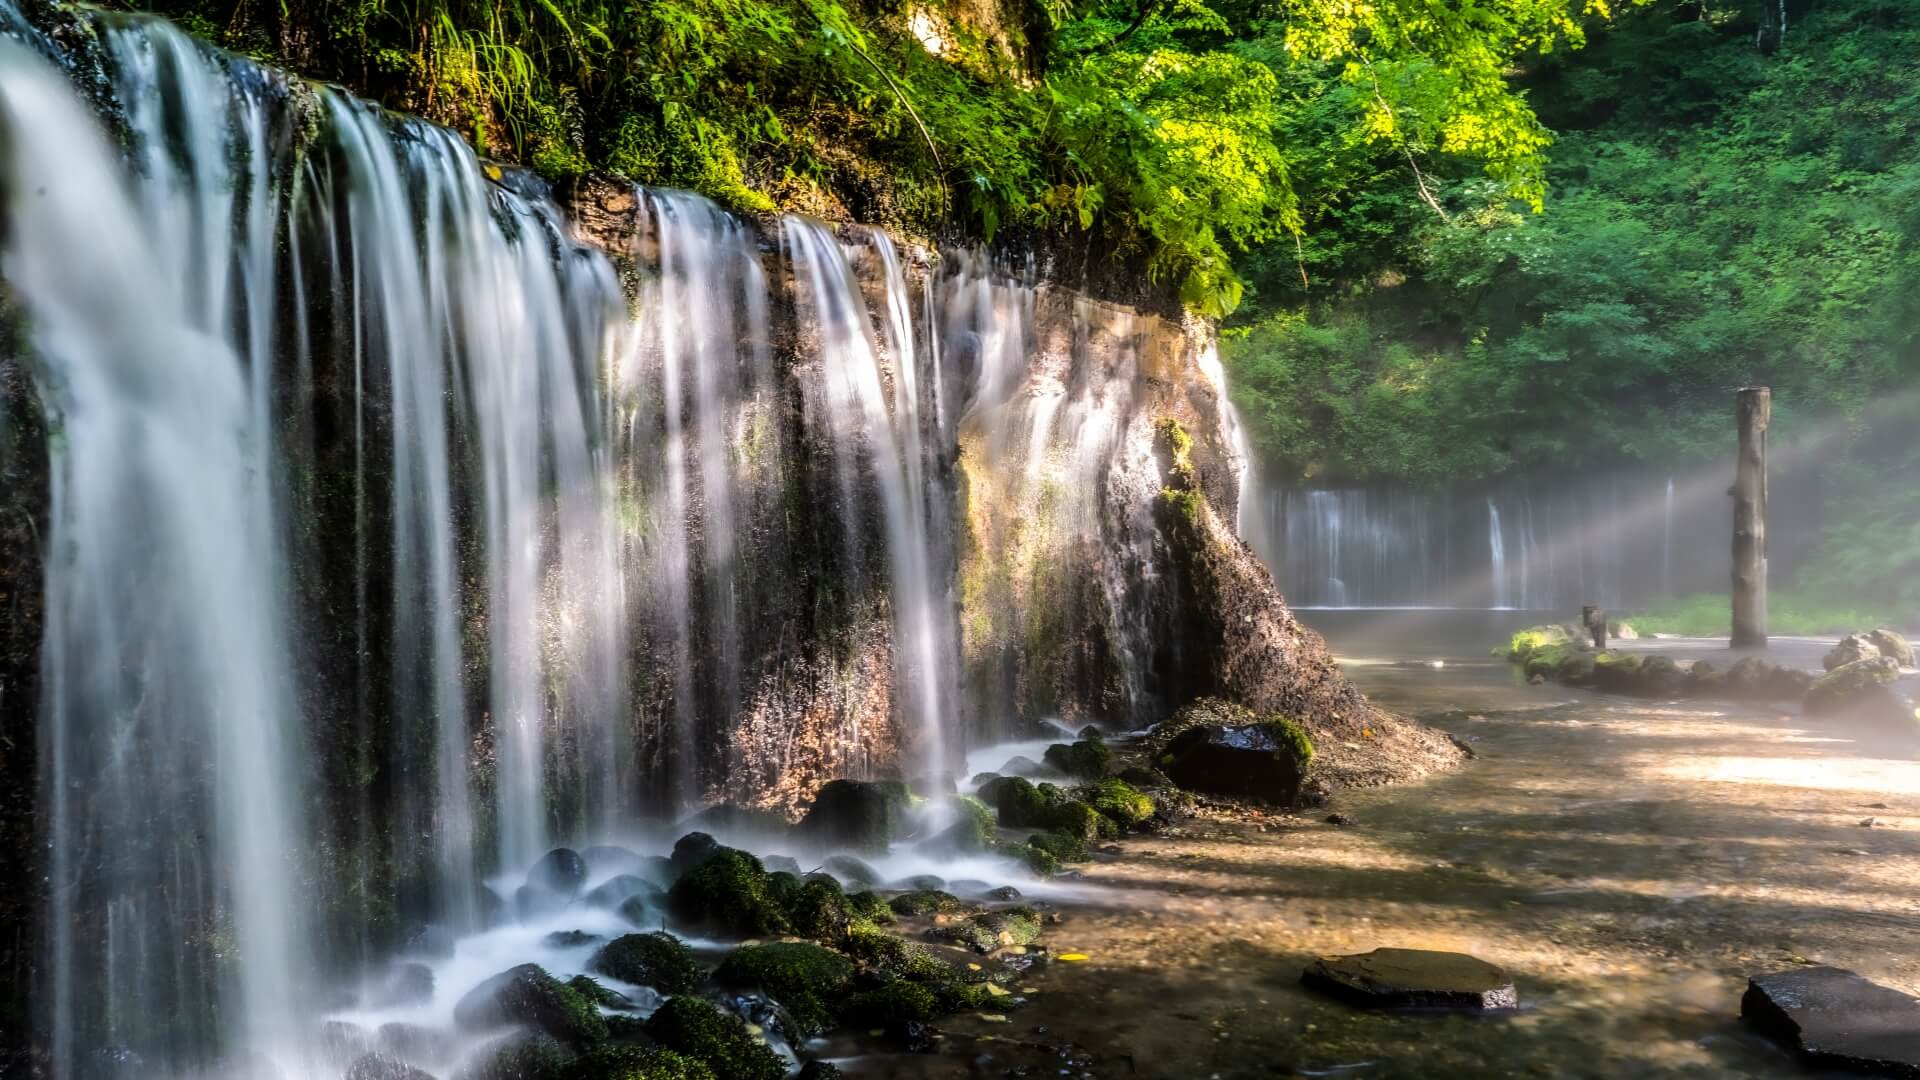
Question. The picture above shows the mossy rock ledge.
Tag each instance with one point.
(1222, 749)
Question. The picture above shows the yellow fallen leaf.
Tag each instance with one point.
(995, 991)
(1029, 989)
(1018, 950)
(1367, 732)
(1075, 957)
(993, 1018)
(973, 967)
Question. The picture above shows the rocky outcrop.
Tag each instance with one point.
(1837, 1020)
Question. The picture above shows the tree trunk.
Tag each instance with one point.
(1754, 409)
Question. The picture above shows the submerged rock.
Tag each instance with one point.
(561, 871)
(527, 995)
(860, 814)
(1837, 1019)
(1265, 761)
(1413, 978)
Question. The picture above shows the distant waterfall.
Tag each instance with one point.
(1497, 556)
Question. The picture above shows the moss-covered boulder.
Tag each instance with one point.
(382, 1067)
(729, 890)
(870, 906)
(863, 815)
(605, 997)
(1039, 861)
(1264, 761)
(639, 1063)
(889, 957)
(1849, 649)
(525, 1056)
(1754, 679)
(1064, 847)
(811, 982)
(690, 851)
(1119, 802)
(928, 902)
(1088, 759)
(1016, 801)
(617, 890)
(820, 910)
(718, 1040)
(972, 830)
(1141, 776)
(1525, 643)
(528, 996)
(1892, 646)
(990, 930)
(886, 1007)
(659, 960)
(1861, 692)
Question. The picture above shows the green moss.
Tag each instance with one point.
(820, 911)
(1291, 737)
(927, 902)
(719, 1040)
(659, 960)
(891, 957)
(895, 1003)
(1017, 801)
(1040, 861)
(1142, 777)
(1088, 759)
(1834, 690)
(1119, 801)
(871, 906)
(1523, 644)
(1065, 847)
(810, 981)
(527, 1057)
(588, 988)
(729, 890)
(852, 871)
(638, 1063)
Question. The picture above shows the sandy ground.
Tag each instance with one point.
(1630, 864)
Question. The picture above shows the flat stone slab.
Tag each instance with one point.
(1413, 979)
(1838, 1019)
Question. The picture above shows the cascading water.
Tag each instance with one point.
(1497, 556)
(391, 547)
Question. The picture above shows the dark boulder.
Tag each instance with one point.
(1412, 979)
(1850, 649)
(412, 1042)
(522, 1056)
(730, 891)
(1837, 1020)
(811, 982)
(569, 939)
(1021, 765)
(527, 995)
(561, 871)
(612, 859)
(851, 871)
(780, 864)
(860, 814)
(611, 893)
(1088, 759)
(690, 851)
(690, 1026)
(1265, 761)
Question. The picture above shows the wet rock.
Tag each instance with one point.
(730, 891)
(1837, 1019)
(531, 901)
(734, 819)
(1084, 760)
(851, 871)
(659, 960)
(1142, 777)
(561, 871)
(1860, 692)
(605, 997)
(611, 893)
(820, 1070)
(1412, 978)
(1754, 679)
(1264, 761)
(520, 1057)
(785, 864)
(527, 995)
(412, 1042)
(409, 984)
(1021, 765)
(341, 1040)
(809, 981)
(612, 859)
(645, 909)
(569, 939)
(980, 779)
(1091, 732)
(1892, 646)
(1339, 819)
(429, 940)
(691, 850)
(692, 1027)
(1850, 649)
(860, 814)
(380, 1067)
(1119, 802)
(919, 882)
(820, 910)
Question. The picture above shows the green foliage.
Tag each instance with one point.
(1120, 801)
(721, 1041)
(1290, 736)
(1176, 129)
(1711, 615)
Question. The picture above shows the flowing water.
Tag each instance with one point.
(395, 540)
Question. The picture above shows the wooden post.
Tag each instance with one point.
(1752, 412)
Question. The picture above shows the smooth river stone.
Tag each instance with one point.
(1413, 979)
(1838, 1019)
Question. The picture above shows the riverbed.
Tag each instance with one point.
(1630, 862)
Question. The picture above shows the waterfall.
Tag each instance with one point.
(169, 700)
(1666, 541)
(1497, 556)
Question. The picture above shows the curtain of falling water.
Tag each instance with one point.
(166, 650)
(693, 421)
